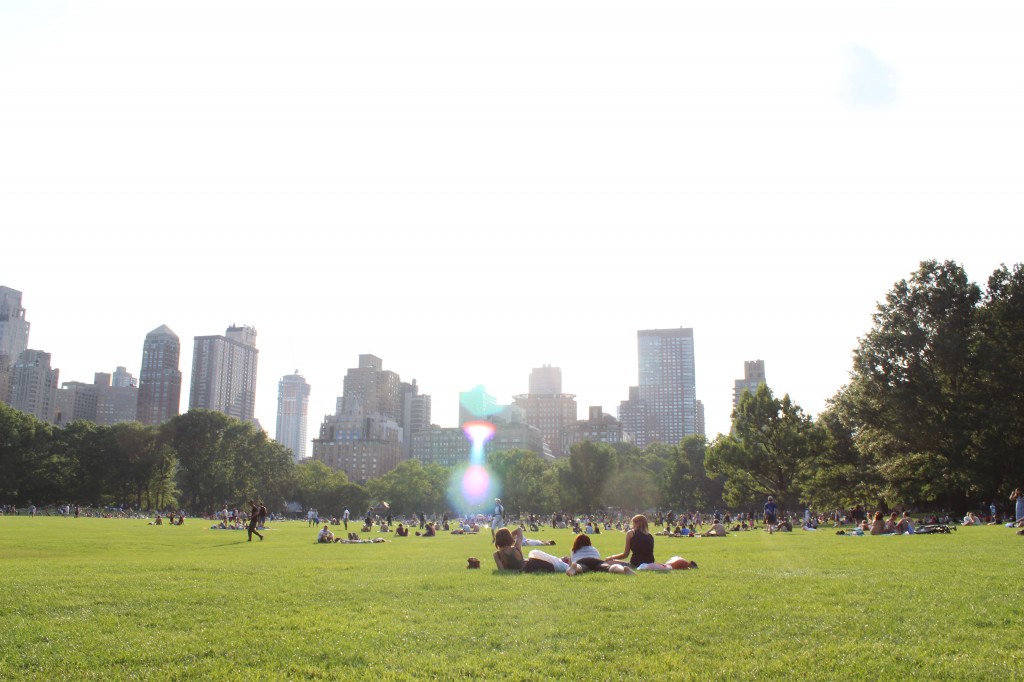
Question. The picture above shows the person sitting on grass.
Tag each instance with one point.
(509, 549)
(325, 535)
(585, 557)
(401, 531)
(429, 531)
(717, 530)
(878, 524)
(639, 544)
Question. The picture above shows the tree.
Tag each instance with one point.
(24, 441)
(523, 484)
(684, 482)
(999, 455)
(914, 391)
(591, 465)
(770, 442)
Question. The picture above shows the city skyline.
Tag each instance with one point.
(472, 194)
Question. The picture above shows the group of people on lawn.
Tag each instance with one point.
(637, 555)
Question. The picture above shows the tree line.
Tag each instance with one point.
(932, 417)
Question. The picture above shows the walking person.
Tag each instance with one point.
(254, 518)
(263, 515)
(344, 518)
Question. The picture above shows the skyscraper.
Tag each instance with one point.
(549, 410)
(667, 386)
(13, 326)
(34, 384)
(224, 373)
(415, 415)
(292, 413)
(753, 376)
(13, 337)
(160, 378)
(364, 437)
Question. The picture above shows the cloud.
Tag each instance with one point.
(871, 83)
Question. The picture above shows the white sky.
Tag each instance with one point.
(470, 190)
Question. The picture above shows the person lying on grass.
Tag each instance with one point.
(509, 555)
(585, 557)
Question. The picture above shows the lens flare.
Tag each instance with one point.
(476, 484)
(472, 486)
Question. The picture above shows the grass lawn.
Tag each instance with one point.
(119, 599)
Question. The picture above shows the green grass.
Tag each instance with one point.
(119, 599)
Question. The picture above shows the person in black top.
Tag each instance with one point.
(254, 519)
(639, 544)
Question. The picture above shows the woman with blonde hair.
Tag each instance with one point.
(639, 545)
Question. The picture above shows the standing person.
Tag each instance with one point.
(263, 515)
(309, 517)
(226, 514)
(254, 518)
(771, 511)
(1018, 497)
(344, 518)
(498, 517)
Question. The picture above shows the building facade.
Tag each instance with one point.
(598, 427)
(34, 384)
(552, 412)
(160, 378)
(364, 437)
(667, 384)
(753, 377)
(415, 415)
(292, 414)
(224, 373)
(13, 337)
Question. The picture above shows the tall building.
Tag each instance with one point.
(13, 326)
(633, 416)
(476, 403)
(13, 337)
(667, 385)
(415, 415)
(364, 436)
(753, 377)
(292, 414)
(224, 373)
(160, 378)
(34, 384)
(552, 412)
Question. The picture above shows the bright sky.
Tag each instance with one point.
(470, 190)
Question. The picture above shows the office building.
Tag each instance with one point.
(415, 415)
(364, 436)
(598, 427)
(552, 412)
(667, 384)
(100, 402)
(292, 414)
(753, 377)
(34, 384)
(160, 378)
(13, 326)
(13, 337)
(224, 373)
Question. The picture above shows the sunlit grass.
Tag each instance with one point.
(117, 599)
